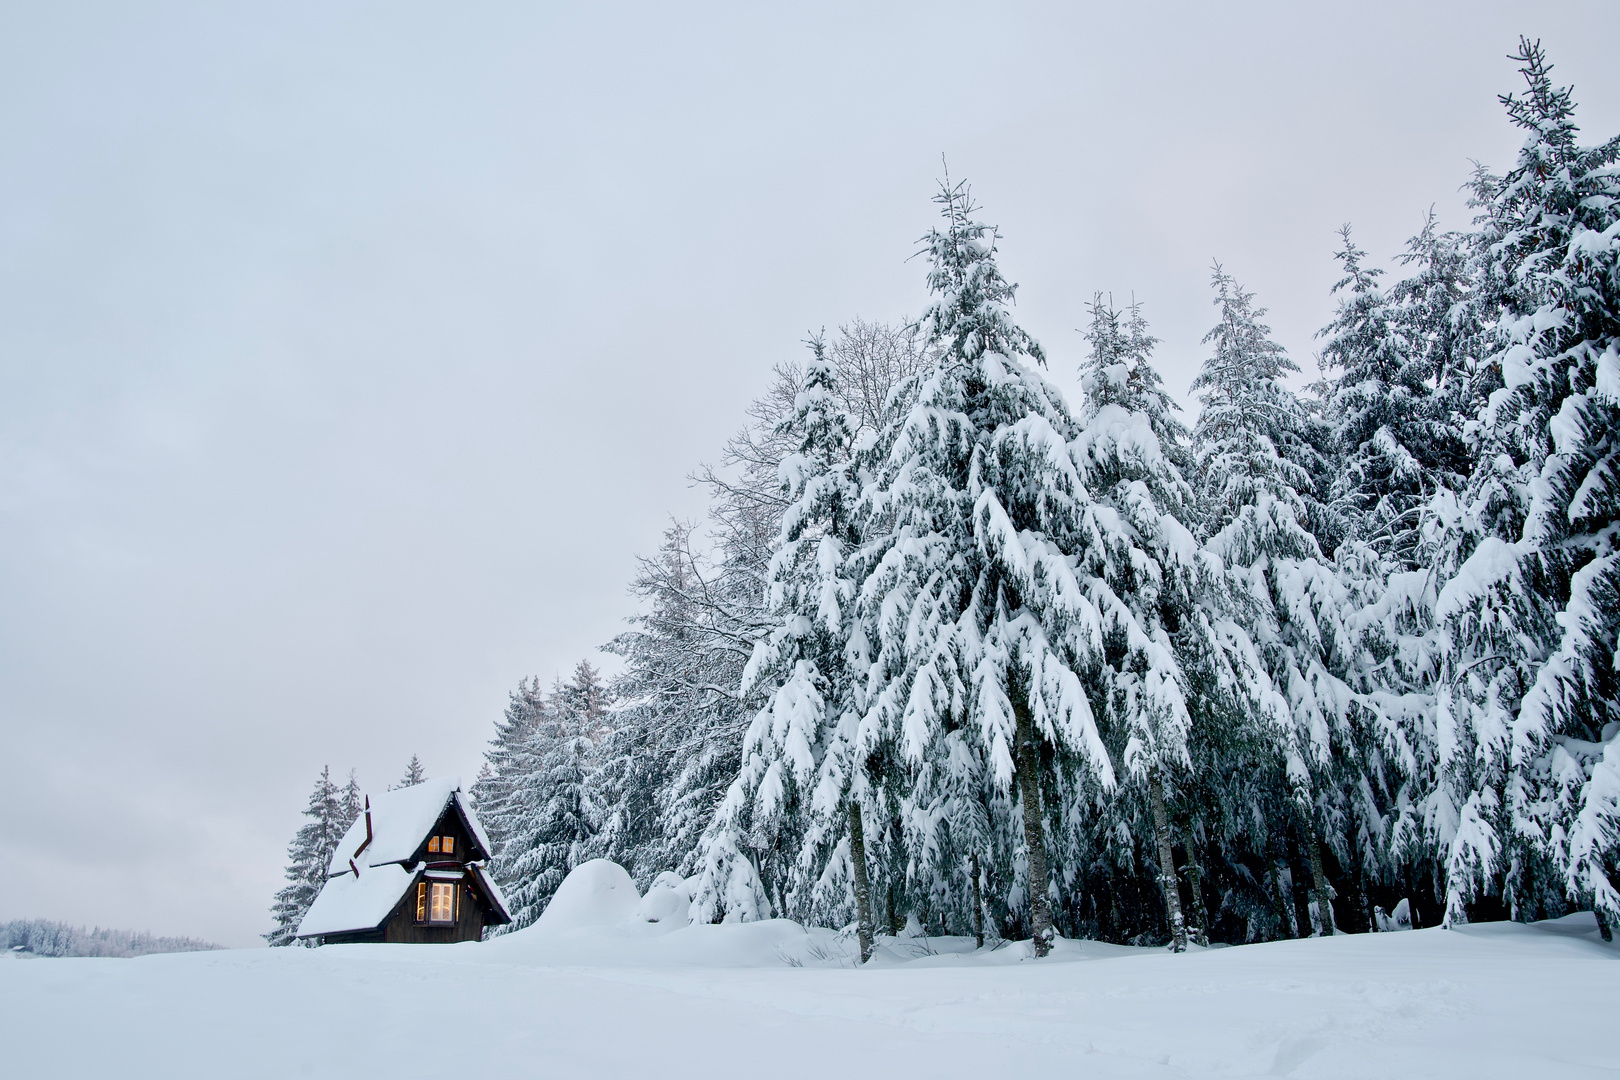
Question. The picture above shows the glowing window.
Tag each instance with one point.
(449, 843)
(443, 902)
(433, 843)
(421, 901)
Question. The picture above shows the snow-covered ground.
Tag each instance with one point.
(595, 990)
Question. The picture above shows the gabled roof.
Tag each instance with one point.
(400, 821)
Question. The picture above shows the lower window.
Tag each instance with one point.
(442, 902)
(435, 902)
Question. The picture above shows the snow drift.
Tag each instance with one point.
(595, 894)
(609, 983)
(604, 993)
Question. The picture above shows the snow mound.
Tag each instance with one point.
(1399, 919)
(668, 900)
(594, 894)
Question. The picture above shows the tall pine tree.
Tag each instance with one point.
(1255, 465)
(550, 818)
(414, 774)
(1166, 630)
(977, 616)
(1531, 619)
(331, 810)
(791, 823)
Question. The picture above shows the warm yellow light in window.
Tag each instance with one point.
(444, 902)
(421, 901)
(449, 844)
(433, 844)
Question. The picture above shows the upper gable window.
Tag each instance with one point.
(433, 844)
(441, 844)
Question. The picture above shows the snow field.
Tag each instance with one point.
(597, 990)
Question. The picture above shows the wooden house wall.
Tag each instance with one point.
(402, 926)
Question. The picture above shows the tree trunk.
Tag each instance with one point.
(1029, 790)
(1363, 893)
(1285, 919)
(978, 904)
(1324, 905)
(1195, 879)
(863, 889)
(1167, 864)
(1300, 892)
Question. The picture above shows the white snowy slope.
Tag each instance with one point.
(597, 990)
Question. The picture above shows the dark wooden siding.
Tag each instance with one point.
(402, 926)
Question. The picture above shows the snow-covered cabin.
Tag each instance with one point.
(412, 868)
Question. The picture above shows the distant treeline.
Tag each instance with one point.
(43, 937)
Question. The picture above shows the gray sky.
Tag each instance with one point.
(349, 353)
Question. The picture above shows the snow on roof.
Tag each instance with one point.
(400, 820)
(472, 820)
(356, 903)
(492, 891)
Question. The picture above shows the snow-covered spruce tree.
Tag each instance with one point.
(679, 721)
(1396, 437)
(1531, 619)
(352, 803)
(977, 615)
(350, 800)
(1449, 309)
(1431, 307)
(1397, 411)
(507, 759)
(1165, 628)
(1373, 386)
(680, 716)
(586, 699)
(633, 766)
(550, 819)
(792, 817)
(414, 774)
(1254, 472)
(308, 855)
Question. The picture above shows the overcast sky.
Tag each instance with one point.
(350, 353)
